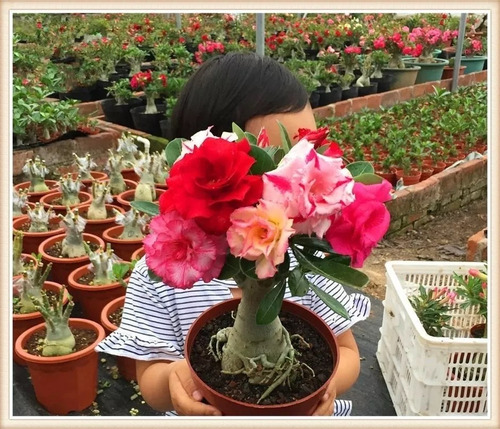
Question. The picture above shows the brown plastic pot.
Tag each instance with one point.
(32, 240)
(98, 226)
(231, 407)
(46, 200)
(129, 184)
(126, 366)
(62, 267)
(130, 174)
(35, 196)
(93, 298)
(87, 183)
(22, 322)
(63, 383)
(123, 248)
(139, 253)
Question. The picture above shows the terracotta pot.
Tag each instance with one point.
(138, 254)
(62, 267)
(97, 227)
(22, 322)
(35, 196)
(126, 366)
(32, 240)
(24, 211)
(390, 177)
(46, 200)
(123, 248)
(427, 171)
(130, 174)
(63, 383)
(126, 197)
(410, 179)
(448, 72)
(161, 186)
(93, 298)
(87, 183)
(130, 184)
(438, 166)
(231, 407)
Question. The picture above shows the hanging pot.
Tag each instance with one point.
(63, 383)
(231, 407)
(126, 366)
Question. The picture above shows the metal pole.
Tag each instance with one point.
(458, 51)
(178, 21)
(259, 35)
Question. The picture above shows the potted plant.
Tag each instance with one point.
(127, 236)
(147, 118)
(473, 55)
(67, 251)
(128, 150)
(37, 225)
(20, 203)
(365, 86)
(20, 261)
(24, 314)
(448, 70)
(63, 368)
(38, 186)
(330, 90)
(472, 289)
(85, 164)
(100, 282)
(68, 196)
(256, 344)
(348, 91)
(99, 213)
(117, 109)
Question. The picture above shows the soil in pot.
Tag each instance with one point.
(54, 200)
(318, 357)
(32, 240)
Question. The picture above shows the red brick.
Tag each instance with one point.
(419, 90)
(96, 143)
(465, 80)
(480, 76)
(445, 84)
(358, 103)
(373, 101)
(405, 93)
(19, 159)
(429, 88)
(477, 247)
(91, 108)
(389, 98)
(343, 108)
(324, 112)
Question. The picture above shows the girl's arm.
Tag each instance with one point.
(167, 386)
(346, 375)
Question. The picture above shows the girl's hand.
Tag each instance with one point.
(326, 404)
(186, 399)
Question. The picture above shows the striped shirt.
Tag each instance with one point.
(157, 317)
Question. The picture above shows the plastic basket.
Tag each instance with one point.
(426, 375)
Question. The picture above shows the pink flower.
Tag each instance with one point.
(379, 43)
(352, 50)
(260, 234)
(362, 224)
(311, 186)
(180, 252)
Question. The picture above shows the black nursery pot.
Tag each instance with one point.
(383, 83)
(82, 93)
(326, 98)
(367, 90)
(120, 114)
(165, 128)
(101, 89)
(352, 92)
(314, 99)
(148, 122)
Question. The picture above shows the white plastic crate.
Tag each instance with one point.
(425, 375)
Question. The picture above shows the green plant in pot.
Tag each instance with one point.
(84, 164)
(380, 59)
(30, 285)
(100, 196)
(107, 268)
(134, 56)
(73, 245)
(256, 345)
(39, 218)
(36, 170)
(114, 166)
(70, 189)
(366, 66)
(153, 84)
(133, 223)
(121, 91)
(19, 201)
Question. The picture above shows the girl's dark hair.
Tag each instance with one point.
(235, 88)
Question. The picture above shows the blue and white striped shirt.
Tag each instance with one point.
(157, 317)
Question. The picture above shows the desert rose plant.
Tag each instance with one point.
(19, 201)
(30, 285)
(114, 166)
(39, 218)
(84, 164)
(73, 243)
(100, 196)
(153, 84)
(36, 170)
(70, 188)
(106, 266)
(133, 223)
(230, 211)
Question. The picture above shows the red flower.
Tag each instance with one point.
(140, 80)
(182, 40)
(210, 183)
(316, 137)
(204, 37)
(163, 79)
(334, 150)
(139, 39)
(38, 25)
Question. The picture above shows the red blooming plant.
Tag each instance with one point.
(349, 58)
(472, 46)
(207, 49)
(238, 208)
(153, 84)
(427, 39)
(397, 44)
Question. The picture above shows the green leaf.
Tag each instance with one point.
(270, 305)
(146, 207)
(330, 301)
(153, 276)
(251, 138)
(172, 151)
(368, 179)
(297, 282)
(120, 269)
(312, 243)
(360, 167)
(331, 269)
(238, 131)
(263, 161)
(248, 268)
(231, 267)
(285, 138)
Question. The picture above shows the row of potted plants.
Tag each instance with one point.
(447, 128)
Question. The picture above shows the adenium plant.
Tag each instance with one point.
(36, 170)
(133, 222)
(114, 166)
(70, 189)
(100, 196)
(39, 217)
(106, 266)
(30, 285)
(85, 164)
(153, 84)
(73, 243)
(19, 201)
